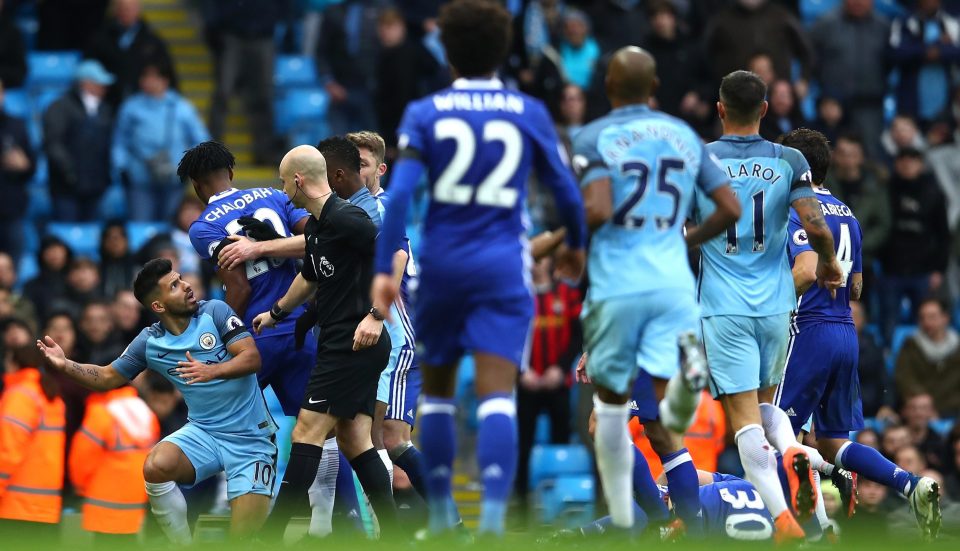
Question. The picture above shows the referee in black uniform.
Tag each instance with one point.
(353, 348)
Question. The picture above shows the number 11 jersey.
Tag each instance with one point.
(269, 277)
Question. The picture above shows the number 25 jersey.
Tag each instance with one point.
(269, 277)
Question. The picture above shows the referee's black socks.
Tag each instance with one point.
(376, 484)
(292, 499)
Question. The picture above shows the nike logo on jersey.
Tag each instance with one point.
(162, 355)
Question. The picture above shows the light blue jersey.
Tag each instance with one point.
(654, 162)
(745, 271)
(234, 406)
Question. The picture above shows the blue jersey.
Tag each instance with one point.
(732, 507)
(816, 305)
(478, 143)
(744, 271)
(234, 406)
(654, 162)
(269, 277)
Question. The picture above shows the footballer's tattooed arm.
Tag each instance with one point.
(96, 377)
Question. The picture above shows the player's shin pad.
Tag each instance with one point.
(679, 405)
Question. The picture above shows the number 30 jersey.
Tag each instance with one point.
(479, 142)
(269, 277)
(654, 162)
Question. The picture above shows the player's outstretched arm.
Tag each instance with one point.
(95, 377)
(241, 249)
(245, 361)
(829, 273)
(546, 243)
(726, 213)
(804, 271)
(298, 293)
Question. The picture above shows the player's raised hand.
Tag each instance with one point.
(263, 321)
(367, 333)
(582, 376)
(52, 353)
(193, 371)
(240, 250)
(569, 263)
(384, 290)
(830, 275)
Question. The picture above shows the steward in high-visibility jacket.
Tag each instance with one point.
(32, 442)
(106, 460)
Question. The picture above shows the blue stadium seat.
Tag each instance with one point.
(113, 204)
(568, 502)
(900, 334)
(541, 433)
(82, 238)
(301, 108)
(51, 69)
(942, 426)
(292, 71)
(40, 206)
(138, 233)
(27, 269)
(551, 461)
(16, 103)
(811, 10)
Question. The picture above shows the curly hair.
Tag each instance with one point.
(815, 148)
(476, 35)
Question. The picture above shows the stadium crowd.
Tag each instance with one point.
(880, 79)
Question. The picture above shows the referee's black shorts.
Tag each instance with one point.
(343, 383)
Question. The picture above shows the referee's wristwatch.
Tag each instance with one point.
(376, 314)
(277, 313)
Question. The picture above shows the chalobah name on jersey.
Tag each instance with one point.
(239, 203)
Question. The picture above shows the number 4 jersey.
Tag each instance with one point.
(269, 277)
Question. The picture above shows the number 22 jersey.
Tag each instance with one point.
(269, 277)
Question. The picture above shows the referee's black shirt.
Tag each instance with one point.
(340, 247)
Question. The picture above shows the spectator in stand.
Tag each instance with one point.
(578, 49)
(741, 29)
(830, 120)
(61, 325)
(915, 256)
(862, 185)
(540, 24)
(616, 23)
(347, 57)
(682, 68)
(50, 284)
(14, 303)
(572, 112)
(925, 47)
(97, 342)
(910, 459)
(117, 264)
(873, 508)
(761, 64)
(851, 47)
(83, 286)
(17, 164)
(13, 53)
(127, 314)
(944, 160)
(164, 400)
(14, 333)
(903, 133)
(125, 46)
(68, 24)
(404, 69)
(876, 386)
(190, 262)
(869, 438)
(894, 438)
(784, 113)
(534, 63)
(77, 129)
(153, 129)
(248, 49)
(544, 386)
(918, 412)
(929, 362)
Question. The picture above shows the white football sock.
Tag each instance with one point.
(388, 463)
(760, 467)
(679, 405)
(817, 462)
(777, 428)
(615, 460)
(170, 509)
(323, 490)
(822, 517)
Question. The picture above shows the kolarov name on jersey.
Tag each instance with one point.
(239, 203)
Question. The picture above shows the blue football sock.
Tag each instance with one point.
(684, 484)
(410, 460)
(496, 458)
(438, 440)
(869, 463)
(646, 490)
(605, 524)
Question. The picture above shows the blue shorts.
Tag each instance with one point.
(745, 353)
(643, 399)
(624, 334)
(404, 388)
(285, 368)
(452, 319)
(821, 379)
(249, 460)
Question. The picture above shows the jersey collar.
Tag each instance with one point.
(222, 194)
(632, 108)
(478, 84)
(821, 190)
(741, 139)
